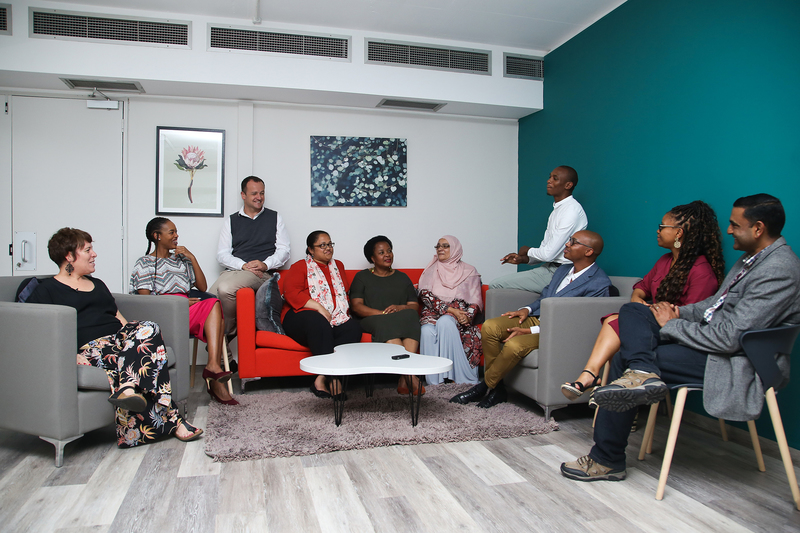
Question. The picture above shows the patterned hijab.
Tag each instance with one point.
(452, 279)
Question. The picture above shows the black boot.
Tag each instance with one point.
(496, 395)
(472, 395)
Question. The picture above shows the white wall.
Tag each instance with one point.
(462, 179)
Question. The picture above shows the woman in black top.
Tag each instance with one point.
(132, 353)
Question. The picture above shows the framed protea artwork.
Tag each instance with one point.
(358, 172)
(190, 171)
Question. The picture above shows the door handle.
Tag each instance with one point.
(23, 244)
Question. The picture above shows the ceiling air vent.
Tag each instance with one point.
(5, 19)
(529, 68)
(92, 27)
(414, 105)
(230, 38)
(105, 85)
(429, 56)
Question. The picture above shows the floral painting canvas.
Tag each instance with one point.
(190, 167)
(358, 171)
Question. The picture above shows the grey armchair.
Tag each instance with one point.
(569, 329)
(47, 393)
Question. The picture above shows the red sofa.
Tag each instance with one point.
(268, 354)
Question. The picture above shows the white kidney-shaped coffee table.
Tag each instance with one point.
(373, 358)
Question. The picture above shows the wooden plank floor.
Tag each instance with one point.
(503, 485)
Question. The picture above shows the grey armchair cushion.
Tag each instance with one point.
(93, 378)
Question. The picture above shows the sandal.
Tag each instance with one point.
(196, 432)
(135, 402)
(575, 390)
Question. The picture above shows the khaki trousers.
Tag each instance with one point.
(225, 288)
(499, 357)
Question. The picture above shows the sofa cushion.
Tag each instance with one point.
(269, 304)
(25, 289)
(531, 360)
(279, 342)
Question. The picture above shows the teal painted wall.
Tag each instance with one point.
(664, 102)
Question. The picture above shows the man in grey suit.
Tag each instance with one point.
(696, 343)
(510, 337)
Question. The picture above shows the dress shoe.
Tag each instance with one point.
(213, 394)
(222, 377)
(495, 396)
(472, 395)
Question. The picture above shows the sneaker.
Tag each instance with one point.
(585, 469)
(631, 390)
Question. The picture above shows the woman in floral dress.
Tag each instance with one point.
(450, 292)
(132, 353)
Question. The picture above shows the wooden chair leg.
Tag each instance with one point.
(603, 381)
(225, 363)
(194, 365)
(647, 438)
(674, 427)
(723, 430)
(668, 401)
(751, 425)
(780, 436)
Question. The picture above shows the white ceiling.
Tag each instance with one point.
(540, 25)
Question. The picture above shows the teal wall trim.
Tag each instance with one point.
(663, 102)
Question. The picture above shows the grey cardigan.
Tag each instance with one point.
(767, 296)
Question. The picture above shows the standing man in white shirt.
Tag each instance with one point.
(253, 242)
(567, 218)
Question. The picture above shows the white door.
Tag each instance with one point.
(66, 171)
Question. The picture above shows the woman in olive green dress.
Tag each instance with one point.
(386, 301)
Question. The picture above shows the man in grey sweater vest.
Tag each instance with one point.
(253, 241)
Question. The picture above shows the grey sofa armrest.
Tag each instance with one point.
(172, 315)
(39, 347)
(569, 330)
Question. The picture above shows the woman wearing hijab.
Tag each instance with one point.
(450, 292)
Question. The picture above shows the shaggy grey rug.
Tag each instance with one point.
(298, 423)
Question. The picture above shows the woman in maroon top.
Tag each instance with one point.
(316, 290)
(689, 273)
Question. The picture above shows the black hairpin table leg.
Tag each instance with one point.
(369, 387)
(338, 401)
(416, 399)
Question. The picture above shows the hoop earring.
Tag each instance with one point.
(677, 243)
(69, 268)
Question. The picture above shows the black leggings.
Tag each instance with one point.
(310, 329)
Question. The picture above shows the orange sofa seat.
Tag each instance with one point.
(268, 354)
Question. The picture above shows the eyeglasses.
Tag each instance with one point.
(662, 226)
(443, 246)
(325, 245)
(573, 242)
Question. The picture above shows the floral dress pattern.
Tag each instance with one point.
(433, 308)
(137, 353)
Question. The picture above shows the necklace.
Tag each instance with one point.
(391, 271)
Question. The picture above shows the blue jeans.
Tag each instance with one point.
(641, 348)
